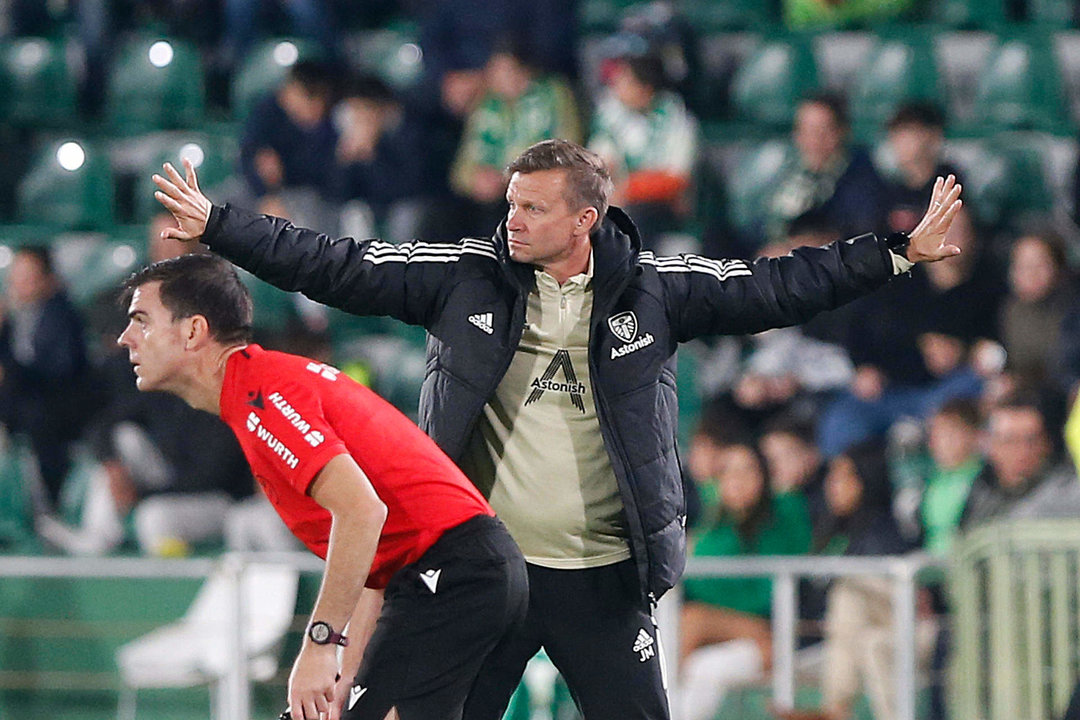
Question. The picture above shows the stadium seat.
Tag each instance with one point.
(37, 85)
(984, 14)
(752, 174)
(1054, 13)
(68, 186)
(91, 263)
(392, 54)
(712, 16)
(193, 650)
(214, 158)
(1020, 88)
(770, 84)
(897, 71)
(154, 84)
(1008, 177)
(264, 67)
(721, 55)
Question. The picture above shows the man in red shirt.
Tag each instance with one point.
(396, 521)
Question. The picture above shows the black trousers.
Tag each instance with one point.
(441, 617)
(597, 631)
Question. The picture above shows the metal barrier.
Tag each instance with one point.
(235, 696)
(1016, 611)
(785, 571)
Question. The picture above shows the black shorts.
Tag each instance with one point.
(441, 617)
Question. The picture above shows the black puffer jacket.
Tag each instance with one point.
(471, 298)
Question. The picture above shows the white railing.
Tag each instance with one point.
(235, 695)
(903, 570)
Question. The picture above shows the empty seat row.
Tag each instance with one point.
(157, 83)
(984, 82)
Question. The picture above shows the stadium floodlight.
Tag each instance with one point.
(286, 53)
(71, 156)
(194, 153)
(161, 53)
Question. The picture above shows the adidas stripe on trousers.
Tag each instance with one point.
(598, 633)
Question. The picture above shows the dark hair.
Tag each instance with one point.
(790, 424)
(965, 410)
(831, 101)
(812, 222)
(41, 253)
(316, 77)
(918, 112)
(200, 284)
(648, 69)
(588, 180)
(366, 86)
(748, 527)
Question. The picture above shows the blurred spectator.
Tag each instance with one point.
(726, 636)
(377, 163)
(918, 342)
(859, 627)
(1032, 315)
(916, 135)
(1022, 478)
(718, 430)
(955, 462)
(289, 139)
(794, 462)
(42, 366)
(175, 470)
(827, 175)
(520, 107)
(649, 141)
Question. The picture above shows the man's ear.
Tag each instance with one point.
(587, 220)
(198, 331)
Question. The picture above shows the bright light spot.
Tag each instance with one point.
(161, 54)
(123, 256)
(194, 153)
(71, 156)
(410, 54)
(6, 256)
(30, 54)
(286, 54)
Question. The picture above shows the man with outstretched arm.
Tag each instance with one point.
(396, 521)
(551, 382)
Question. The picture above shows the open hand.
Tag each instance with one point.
(928, 238)
(182, 197)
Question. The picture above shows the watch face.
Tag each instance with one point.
(320, 632)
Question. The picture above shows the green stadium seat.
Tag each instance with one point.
(214, 158)
(37, 85)
(263, 69)
(897, 71)
(986, 14)
(710, 15)
(91, 264)
(769, 85)
(752, 178)
(68, 186)
(1055, 13)
(1021, 88)
(1007, 178)
(275, 309)
(154, 83)
(392, 54)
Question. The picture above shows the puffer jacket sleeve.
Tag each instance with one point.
(363, 277)
(735, 297)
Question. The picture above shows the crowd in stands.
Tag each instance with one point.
(940, 403)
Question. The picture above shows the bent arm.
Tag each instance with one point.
(358, 515)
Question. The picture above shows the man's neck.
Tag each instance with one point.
(202, 390)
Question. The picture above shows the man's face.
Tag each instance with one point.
(914, 145)
(154, 341)
(817, 135)
(540, 227)
(1017, 445)
(951, 440)
(28, 280)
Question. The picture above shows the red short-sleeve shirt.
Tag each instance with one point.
(292, 415)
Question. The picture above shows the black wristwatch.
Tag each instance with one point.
(321, 633)
(898, 243)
